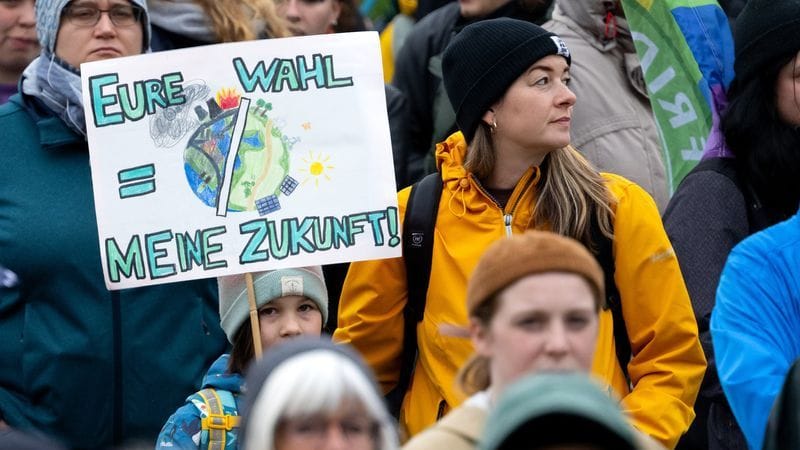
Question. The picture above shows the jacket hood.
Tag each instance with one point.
(590, 16)
(218, 377)
(464, 193)
(450, 155)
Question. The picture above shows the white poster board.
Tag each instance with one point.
(311, 179)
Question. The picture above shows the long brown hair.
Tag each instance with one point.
(571, 192)
(242, 353)
(232, 21)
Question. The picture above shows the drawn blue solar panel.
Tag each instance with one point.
(289, 184)
(267, 205)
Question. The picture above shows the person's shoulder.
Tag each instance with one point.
(714, 168)
(764, 265)
(469, 418)
(638, 205)
(194, 407)
(18, 123)
(458, 430)
(710, 184)
(711, 175)
(781, 239)
(13, 107)
(182, 430)
(620, 186)
(218, 368)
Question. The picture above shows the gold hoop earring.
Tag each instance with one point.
(493, 126)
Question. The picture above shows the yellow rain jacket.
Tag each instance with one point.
(667, 365)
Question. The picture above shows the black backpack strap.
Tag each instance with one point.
(418, 233)
(604, 252)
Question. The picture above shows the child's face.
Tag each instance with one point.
(288, 317)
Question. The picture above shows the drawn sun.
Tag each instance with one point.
(318, 168)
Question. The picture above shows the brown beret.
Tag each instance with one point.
(532, 252)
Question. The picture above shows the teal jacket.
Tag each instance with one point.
(91, 367)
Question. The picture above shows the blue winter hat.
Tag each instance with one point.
(234, 308)
(48, 20)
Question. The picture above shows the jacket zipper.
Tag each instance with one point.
(485, 192)
(508, 217)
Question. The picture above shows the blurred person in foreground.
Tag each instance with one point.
(313, 394)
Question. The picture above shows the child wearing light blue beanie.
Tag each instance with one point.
(290, 303)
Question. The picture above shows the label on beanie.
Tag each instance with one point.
(561, 45)
(291, 285)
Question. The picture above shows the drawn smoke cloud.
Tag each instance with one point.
(169, 125)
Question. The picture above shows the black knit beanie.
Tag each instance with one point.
(484, 59)
(765, 30)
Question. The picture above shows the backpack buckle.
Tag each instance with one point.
(220, 422)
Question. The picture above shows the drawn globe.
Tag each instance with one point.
(260, 166)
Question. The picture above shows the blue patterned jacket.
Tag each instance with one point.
(184, 430)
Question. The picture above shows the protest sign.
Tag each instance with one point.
(240, 157)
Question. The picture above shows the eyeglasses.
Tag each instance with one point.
(88, 16)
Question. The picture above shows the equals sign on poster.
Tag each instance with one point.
(137, 181)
